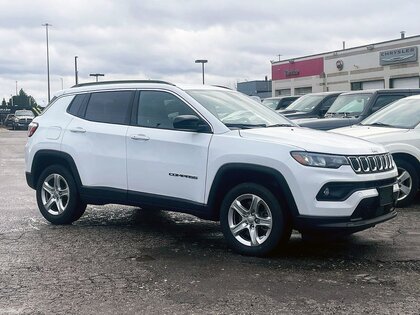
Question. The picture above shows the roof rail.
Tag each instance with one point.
(120, 82)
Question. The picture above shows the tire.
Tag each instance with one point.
(58, 197)
(267, 221)
(410, 184)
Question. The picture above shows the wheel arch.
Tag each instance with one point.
(408, 158)
(232, 174)
(45, 158)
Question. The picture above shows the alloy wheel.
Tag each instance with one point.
(250, 220)
(405, 183)
(55, 194)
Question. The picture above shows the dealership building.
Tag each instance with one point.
(390, 64)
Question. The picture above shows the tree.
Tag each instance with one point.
(22, 101)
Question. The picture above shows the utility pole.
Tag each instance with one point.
(48, 61)
(76, 72)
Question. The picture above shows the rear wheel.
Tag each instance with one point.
(253, 221)
(408, 182)
(57, 196)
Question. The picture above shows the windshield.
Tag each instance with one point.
(306, 103)
(400, 114)
(350, 104)
(24, 113)
(238, 111)
(271, 103)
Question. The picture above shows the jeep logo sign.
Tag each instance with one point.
(400, 55)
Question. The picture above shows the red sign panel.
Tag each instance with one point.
(298, 69)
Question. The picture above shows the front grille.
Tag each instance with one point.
(25, 120)
(365, 164)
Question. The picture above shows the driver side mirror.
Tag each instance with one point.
(190, 123)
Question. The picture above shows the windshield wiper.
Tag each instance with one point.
(245, 126)
(280, 125)
(379, 124)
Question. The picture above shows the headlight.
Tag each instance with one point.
(319, 160)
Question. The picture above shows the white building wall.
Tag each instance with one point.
(361, 64)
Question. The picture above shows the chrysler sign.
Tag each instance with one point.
(400, 55)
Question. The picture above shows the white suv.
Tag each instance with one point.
(207, 151)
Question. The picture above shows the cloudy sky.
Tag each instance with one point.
(149, 39)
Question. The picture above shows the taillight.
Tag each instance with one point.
(33, 126)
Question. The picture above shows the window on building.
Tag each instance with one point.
(109, 107)
(356, 86)
(285, 92)
(303, 90)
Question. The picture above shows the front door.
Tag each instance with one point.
(162, 160)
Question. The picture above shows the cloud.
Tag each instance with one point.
(160, 40)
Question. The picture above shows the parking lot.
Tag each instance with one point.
(119, 259)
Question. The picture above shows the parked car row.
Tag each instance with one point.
(360, 114)
(397, 127)
(19, 120)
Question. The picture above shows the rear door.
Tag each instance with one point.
(95, 138)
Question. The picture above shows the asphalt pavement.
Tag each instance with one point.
(124, 260)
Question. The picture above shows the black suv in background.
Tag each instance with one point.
(279, 102)
(352, 107)
(310, 105)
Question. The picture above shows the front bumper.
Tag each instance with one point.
(369, 212)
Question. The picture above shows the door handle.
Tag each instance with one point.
(140, 137)
(78, 130)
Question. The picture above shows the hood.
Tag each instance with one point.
(313, 140)
(327, 123)
(371, 133)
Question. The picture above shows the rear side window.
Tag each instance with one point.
(109, 107)
(76, 105)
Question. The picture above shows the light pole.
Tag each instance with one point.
(202, 61)
(48, 61)
(76, 72)
(62, 83)
(97, 75)
(16, 88)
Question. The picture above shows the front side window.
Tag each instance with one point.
(109, 107)
(158, 109)
(383, 100)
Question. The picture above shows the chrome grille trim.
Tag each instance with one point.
(372, 163)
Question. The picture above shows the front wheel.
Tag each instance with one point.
(57, 196)
(253, 221)
(408, 182)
